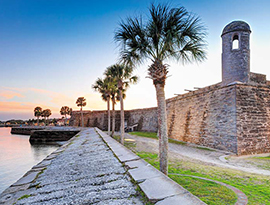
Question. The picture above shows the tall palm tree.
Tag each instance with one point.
(37, 113)
(65, 110)
(122, 74)
(167, 34)
(115, 98)
(81, 103)
(105, 87)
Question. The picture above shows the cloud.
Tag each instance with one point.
(23, 100)
(16, 106)
(9, 94)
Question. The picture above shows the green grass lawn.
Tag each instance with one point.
(145, 134)
(256, 187)
(153, 135)
(262, 162)
(209, 192)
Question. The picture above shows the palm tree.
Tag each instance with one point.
(122, 74)
(65, 110)
(105, 87)
(81, 103)
(113, 99)
(43, 114)
(37, 113)
(168, 34)
(46, 113)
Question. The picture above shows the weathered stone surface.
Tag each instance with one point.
(144, 172)
(42, 164)
(161, 187)
(87, 172)
(26, 179)
(25, 130)
(39, 136)
(145, 118)
(253, 119)
(182, 199)
(136, 164)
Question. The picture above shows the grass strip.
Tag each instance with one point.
(256, 187)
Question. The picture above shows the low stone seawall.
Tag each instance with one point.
(93, 168)
(25, 130)
(46, 134)
(43, 136)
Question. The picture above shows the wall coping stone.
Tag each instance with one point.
(157, 187)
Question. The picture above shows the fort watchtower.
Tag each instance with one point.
(235, 52)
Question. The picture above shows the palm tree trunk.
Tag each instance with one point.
(113, 116)
(162, 129)
(122, 115)
(82, 125)
(109, 115)
(38, 121)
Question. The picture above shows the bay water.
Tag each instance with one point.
(17, 156)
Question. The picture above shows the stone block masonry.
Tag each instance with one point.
(145, 118)
(234, 118)
(205, 117)
(253, 119)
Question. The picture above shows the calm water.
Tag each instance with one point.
(17, 156)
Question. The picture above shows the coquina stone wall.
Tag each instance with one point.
(253, 119)
(205, 117)
(145, 118)
(233, 118)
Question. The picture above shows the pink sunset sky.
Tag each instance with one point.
(51, 52)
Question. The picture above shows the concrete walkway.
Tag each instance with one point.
(93, 168)
(191, 152)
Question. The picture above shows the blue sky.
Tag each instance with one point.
(52, 51)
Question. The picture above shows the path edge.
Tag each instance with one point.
(157, 187)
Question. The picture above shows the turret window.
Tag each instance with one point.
(235, 43)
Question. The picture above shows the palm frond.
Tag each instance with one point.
(168, 33)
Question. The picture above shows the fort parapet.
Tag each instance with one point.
(233, 115)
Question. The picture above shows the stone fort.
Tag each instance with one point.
(233, 115)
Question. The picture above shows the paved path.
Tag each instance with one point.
(87, 172)
(193, 153)
(93, 168)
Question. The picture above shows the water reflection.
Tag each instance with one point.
(17, 156)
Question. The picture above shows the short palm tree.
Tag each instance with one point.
(81, 103)
(46, 113)
(37, 113)
(105, 87)
(168, 33)
(43, 114)
(65, 110)
(122, 74)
